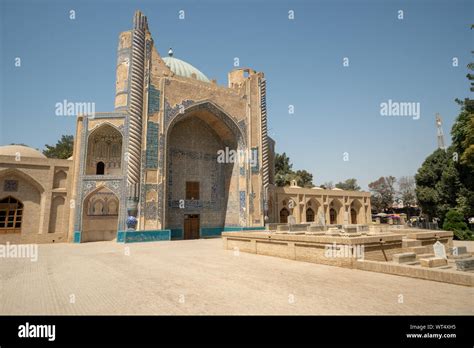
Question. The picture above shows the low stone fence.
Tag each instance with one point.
(329, 250)
(357, 248)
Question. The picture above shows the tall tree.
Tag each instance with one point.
(445, 180)
(282, 164)
(383, 193)
(304, 178)
(428, 175)
(349, 185)
(63, 148)
(284, 173)
(406, 191)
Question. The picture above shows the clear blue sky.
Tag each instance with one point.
(337, 109)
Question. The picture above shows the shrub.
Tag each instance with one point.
(454, 221)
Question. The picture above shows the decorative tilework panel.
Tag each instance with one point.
(153, 100)
(152, 146)
(254, 160)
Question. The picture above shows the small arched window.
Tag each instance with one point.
(100, 169)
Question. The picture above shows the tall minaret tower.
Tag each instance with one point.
(439, 123)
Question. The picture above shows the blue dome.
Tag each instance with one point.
(181, 68)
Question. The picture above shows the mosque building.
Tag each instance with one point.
(180, 157)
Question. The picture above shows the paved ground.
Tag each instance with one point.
(200, 277)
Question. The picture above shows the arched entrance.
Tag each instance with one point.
(104, 151)
(11, 214)
(202, 190)
(100, 216)
(353, 216)
(309, 215)
(314, 208)
(284, 213)
(356, 209)
(336, 211)
(332, 216)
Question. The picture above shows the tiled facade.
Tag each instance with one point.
(166, 130)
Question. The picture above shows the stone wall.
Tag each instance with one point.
(43, 188)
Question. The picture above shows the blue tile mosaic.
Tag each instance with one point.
(152, 146)
(153, 100)
(143, 236)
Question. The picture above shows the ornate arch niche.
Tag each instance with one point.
(100, 215)
(193, 141)
(60, 179)
(104, 151)
(356, 212)
(336, 213)
(312, 210)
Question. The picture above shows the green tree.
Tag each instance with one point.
(349, 185)
(304, 178)
(283, 164)
(462, 134)
(427, 178)
(284, 173)
(454, 221)
(63, 148)
(445, 180)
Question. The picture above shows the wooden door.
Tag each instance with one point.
(191, 226)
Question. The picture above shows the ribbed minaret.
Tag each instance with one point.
(136, 110)
(265, 160)
(136, 97)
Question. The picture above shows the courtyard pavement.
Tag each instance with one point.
(200, 277)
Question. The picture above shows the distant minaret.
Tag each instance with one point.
(439, 124)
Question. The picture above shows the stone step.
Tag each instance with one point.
(424, 256)
(317, 228)
(422, 249)
(404, 257)
(407, 243)
(298, 227)
(315, 233)
(432, 262)
(283, 227)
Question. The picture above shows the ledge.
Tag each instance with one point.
(143, 236)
